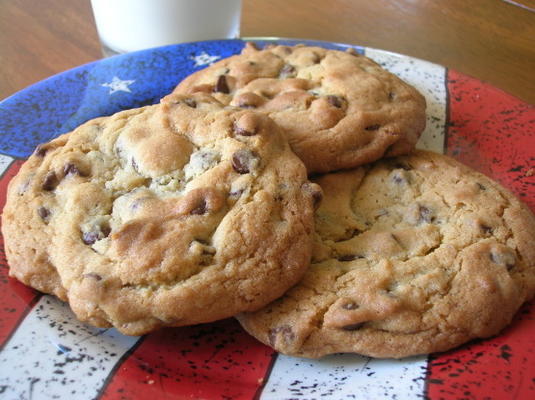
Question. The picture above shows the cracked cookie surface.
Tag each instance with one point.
(167, 215)
(338, 109)
(412, 255)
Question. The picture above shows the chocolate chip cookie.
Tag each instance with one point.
(413, 255)
(167, 215)
(338, 109)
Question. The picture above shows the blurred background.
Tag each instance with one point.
(492, 40)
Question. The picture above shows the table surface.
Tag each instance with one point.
(492, 40)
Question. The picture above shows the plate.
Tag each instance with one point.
(47, 353)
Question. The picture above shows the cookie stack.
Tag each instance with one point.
(280, 186)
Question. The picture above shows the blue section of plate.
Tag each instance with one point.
(61, 103)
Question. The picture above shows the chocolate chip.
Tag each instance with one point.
(238, 130)
(72, 169)
(391, 96)
(348, 257)
(425, 214)
(90, 237)
(247, 124)
(372, 127)
(200, 201)
(200, 209)
(284, 330)
(190, 103)
(93, 275)
(97, 234)
(287, 71)
(221, 85)
(244, 160)
(400, 175)
(106, 230)
(501, 258)
(50, 182)
(486, 229)
(335, 101)
(43, 212)
(480, 186)
(353, 327)
(350, 306)
(40, 150)
(398, 178)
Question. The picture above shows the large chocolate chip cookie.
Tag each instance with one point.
(413, 255)
(338, 109)
(168, 215)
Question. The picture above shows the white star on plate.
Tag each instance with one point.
(204, 59)
(118, 85)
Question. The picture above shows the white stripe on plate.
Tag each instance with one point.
(430, 80)
(346, 376)
(5, 161)
(54, 356)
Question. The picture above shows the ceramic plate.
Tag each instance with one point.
(47, 353)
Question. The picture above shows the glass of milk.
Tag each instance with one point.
(129, 25)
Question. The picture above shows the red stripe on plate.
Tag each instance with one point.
(15, 298)
(495, 134)
(209, 361)
(492, 132)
